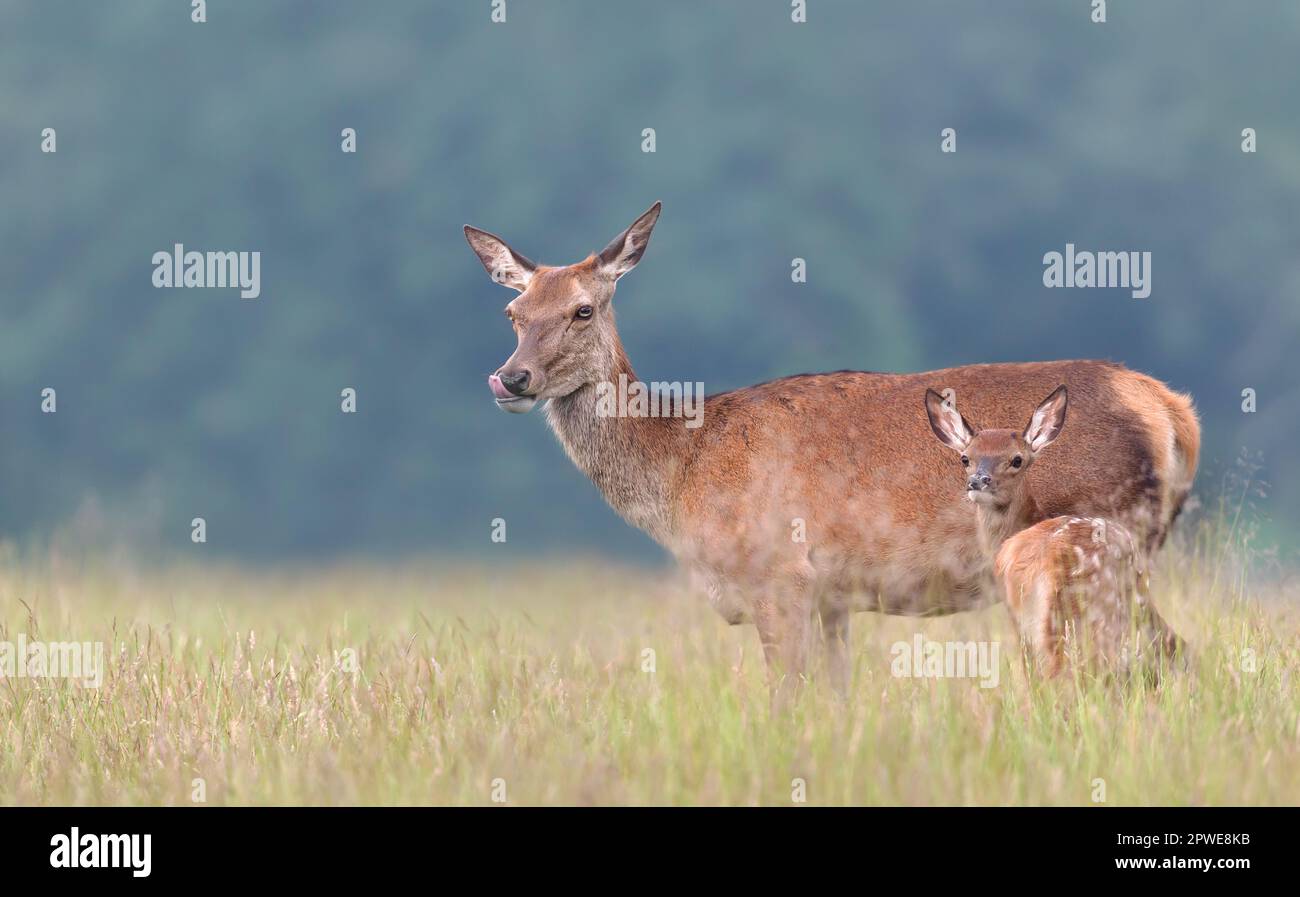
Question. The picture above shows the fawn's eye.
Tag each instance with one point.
(965, 462)
(1016, 461)
(584, 312)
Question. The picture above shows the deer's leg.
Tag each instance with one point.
(1162, 636)
(783, 617)
(1013, 599)
(1036, 611)
(1160, 642)
(835, 640)
(1050, 638)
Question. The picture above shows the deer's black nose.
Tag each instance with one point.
(515, 381)
(978, 483)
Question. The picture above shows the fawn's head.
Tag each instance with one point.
(995, 460)
(563, 317)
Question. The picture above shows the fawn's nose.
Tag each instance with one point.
(515, 381)
(978, 483)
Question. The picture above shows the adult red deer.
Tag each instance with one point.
(817, 495)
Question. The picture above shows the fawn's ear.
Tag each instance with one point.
(947, 422)
(1048, 419)
(625, 250)
(503, 264)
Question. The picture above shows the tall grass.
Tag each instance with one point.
(536, 684)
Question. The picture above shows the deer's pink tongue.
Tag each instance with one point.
(498, 388)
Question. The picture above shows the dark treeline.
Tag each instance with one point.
(774, 141)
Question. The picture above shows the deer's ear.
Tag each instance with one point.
(947, 423)
(1048, 419)
(503, 264)
(625, 250)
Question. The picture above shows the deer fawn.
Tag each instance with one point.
(801, 500)
(1068, 581)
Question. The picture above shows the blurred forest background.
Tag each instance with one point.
(774, 141)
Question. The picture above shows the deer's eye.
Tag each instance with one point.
(1016, 461)
(965, 462)
(584, 312)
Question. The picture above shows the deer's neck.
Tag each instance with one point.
(634, 461)
(997, 524)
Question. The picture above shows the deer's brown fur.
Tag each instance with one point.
(1077, 588)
